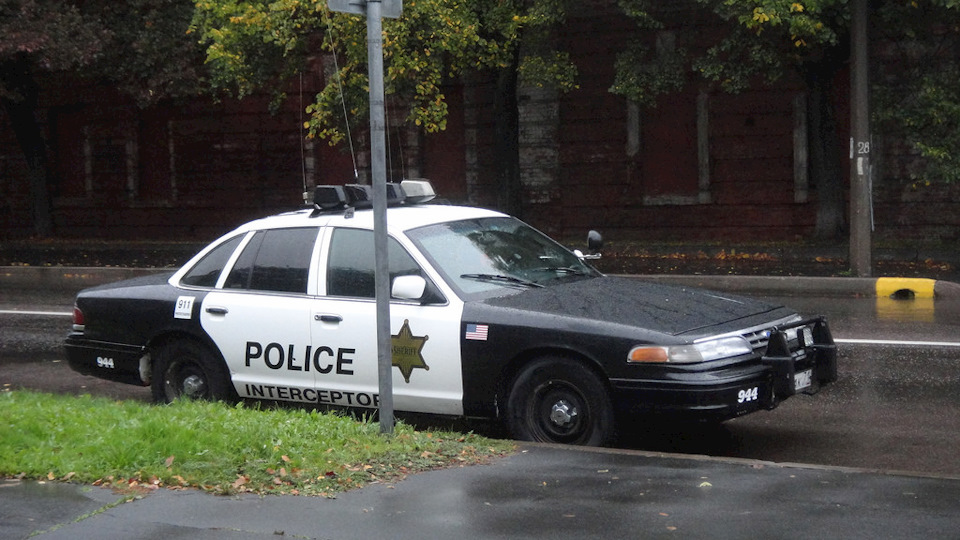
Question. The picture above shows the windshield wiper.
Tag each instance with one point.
(495, 278)
(562, 270)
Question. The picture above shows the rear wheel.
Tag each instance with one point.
(186, 369)
(559, 400)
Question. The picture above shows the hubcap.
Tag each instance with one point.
(193, 386)
(562, 414)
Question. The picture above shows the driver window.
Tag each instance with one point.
(351, 264)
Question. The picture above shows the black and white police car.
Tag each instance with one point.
(489, 319)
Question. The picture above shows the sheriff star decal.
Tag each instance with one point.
(407, 351)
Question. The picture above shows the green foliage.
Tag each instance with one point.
(917, 97)
(214, 446)
(150, 55)
(642, 75)
(916, 91)
(555, 70)
(768, 37)
(54, 35)
(140, 45)
(256, 44)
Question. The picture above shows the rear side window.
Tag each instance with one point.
(276, 260)
(350, 270)
(207, 270)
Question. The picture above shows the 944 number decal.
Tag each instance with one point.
(748, 394)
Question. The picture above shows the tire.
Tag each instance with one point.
(559, 400)
(185, 369)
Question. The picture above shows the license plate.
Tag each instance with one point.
(802, 379)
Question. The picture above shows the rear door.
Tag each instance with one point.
(260, 315)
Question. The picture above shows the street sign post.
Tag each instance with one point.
(389, 9)
(374, 10)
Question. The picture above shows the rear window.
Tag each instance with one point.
(208, 269)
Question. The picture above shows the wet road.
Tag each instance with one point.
(895, 407)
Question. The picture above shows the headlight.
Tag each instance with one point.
(702, 351)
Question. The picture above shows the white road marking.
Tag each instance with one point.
(898, 342)
(40, 313)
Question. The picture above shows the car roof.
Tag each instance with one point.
(400, 218)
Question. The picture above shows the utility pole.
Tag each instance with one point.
(375, 9)
(861, 204)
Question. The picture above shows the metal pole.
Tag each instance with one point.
(860, 196)
(378, 170)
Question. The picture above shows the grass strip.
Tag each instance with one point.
(215, 446)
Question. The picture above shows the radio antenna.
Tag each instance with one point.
(343, 102)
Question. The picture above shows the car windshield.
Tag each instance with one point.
(479, 255)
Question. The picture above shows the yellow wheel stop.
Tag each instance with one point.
(920, 287)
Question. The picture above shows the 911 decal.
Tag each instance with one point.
(748, 394)
(183, 308)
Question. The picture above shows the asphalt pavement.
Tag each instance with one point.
(539, 491)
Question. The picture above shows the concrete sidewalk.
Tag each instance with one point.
(539, 492)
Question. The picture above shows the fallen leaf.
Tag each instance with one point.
(168, 462)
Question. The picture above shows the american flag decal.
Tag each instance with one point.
(476, 332)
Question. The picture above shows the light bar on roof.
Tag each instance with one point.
(329, 198)
(418, 191)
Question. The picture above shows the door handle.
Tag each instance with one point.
(217, 310)
(334, 319)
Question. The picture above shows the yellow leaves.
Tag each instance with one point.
(760, 16)
(796, 7)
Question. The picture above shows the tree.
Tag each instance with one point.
(37, 35)
(764, 39)
(258, 44)
(760, 41)
(140, 46)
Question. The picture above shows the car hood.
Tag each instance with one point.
(633, 302)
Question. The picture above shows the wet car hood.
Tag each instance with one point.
(634, 302)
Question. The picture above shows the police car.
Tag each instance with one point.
(489, 319)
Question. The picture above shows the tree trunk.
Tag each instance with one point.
(825, 162)
(23, 119)
(507, 145)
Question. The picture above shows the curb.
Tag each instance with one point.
(71, 279)
(903, 288)
(67, 278)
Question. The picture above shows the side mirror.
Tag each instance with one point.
(594, 244)
(408, 288)
(594, 241)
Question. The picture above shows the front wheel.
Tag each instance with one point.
(186, 369)
(559, 400)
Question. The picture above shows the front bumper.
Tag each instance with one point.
(799, 357)
(112, 361)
